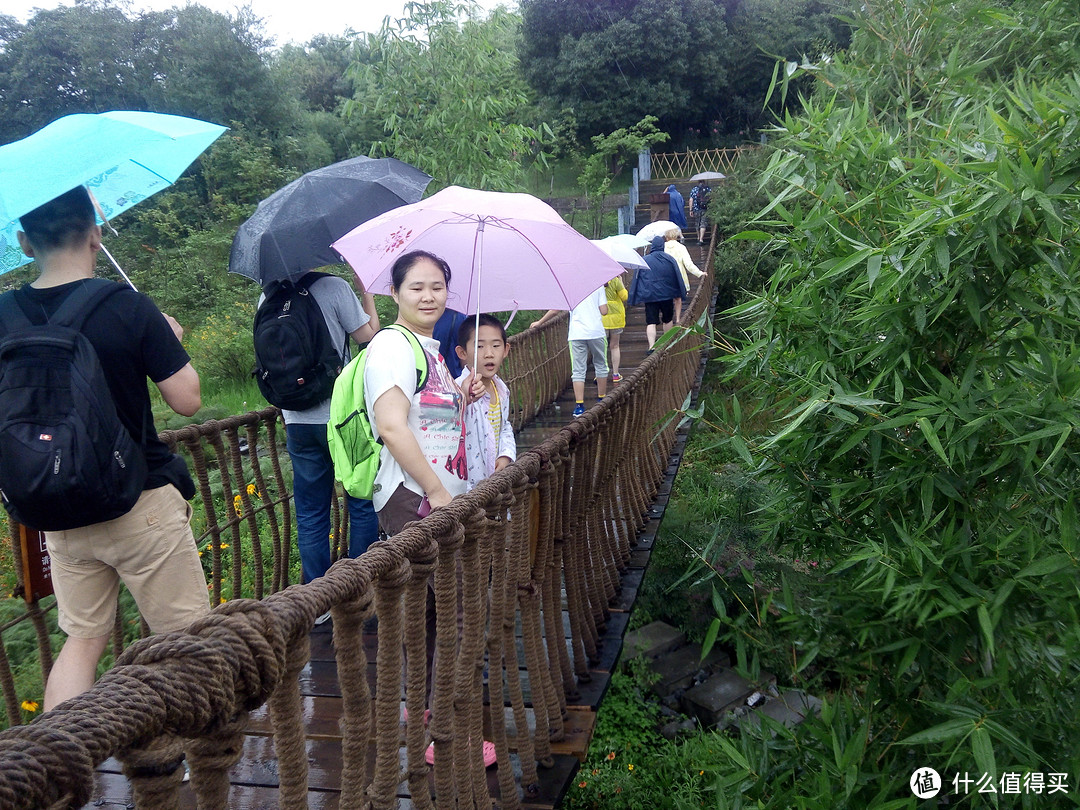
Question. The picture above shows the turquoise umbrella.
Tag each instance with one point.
(122, 157)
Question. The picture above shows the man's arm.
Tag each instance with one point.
(367, 302)
(547, 316)
(182, 391)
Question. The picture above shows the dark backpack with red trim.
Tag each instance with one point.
(66, 459)
(296, 362)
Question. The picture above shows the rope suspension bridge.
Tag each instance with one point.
(534, 573)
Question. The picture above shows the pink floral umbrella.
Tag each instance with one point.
(506, 251)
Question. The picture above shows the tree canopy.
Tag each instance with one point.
(616, 61)
(449, 95)
(701, 67)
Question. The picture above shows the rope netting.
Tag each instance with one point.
(550, 533)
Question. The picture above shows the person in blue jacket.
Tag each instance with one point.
(655, 288)
(676, 206)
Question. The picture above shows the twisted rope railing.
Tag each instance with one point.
(246, 498)
(562, 519)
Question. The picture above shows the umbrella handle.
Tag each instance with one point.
(119, 269)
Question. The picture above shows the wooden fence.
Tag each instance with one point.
(689, 163)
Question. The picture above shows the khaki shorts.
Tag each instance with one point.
(151, 549)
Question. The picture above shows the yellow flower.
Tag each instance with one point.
(630, 767)
(701, 773)
(224, 546)
(251, 490)
(236, 504)
(30, 705)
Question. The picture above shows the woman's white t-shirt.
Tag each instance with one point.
(436, 413)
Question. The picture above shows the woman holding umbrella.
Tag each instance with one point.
(422, 465)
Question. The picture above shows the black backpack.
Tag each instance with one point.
(66, 460)
(295, 361)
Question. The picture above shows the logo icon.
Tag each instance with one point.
(45, 437)
(925, 783)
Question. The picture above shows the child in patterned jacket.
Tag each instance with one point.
(489, 438)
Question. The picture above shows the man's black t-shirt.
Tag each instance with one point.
(133, 341)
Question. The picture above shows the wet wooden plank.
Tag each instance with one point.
(321, 715)
(112, 790)
(579, 726)
(554, 782)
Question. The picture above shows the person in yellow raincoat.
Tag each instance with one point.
(615, 322)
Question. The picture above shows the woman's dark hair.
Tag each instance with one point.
(406, 261)
(59, 221)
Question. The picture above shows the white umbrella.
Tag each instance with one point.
(708, 176)
(621, 252)
(658, 228)
(631, 240)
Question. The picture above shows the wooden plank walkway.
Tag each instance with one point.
(255, 779)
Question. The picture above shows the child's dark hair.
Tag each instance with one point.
(60, 221)
(468, 326)
(406, 261)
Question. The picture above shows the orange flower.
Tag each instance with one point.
(610, 756)
(582, 784)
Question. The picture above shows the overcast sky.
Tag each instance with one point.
(286, 20)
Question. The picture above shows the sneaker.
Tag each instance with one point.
(616, 378)
(579, 410)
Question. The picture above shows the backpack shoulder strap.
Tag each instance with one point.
(72, 313)
(309, 278)
(82, 301)
(12, 316)
(419, 355)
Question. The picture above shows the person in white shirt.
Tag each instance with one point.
(587, 336)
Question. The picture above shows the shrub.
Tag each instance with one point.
(913, 360)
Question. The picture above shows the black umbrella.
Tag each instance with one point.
(292, 229)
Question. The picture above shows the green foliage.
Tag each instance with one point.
(93, 57)
(221, 349)
(913, 362)
(609, 157)
(615, 61)
(449, 96)
(771, 30)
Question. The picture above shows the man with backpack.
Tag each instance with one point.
(75, 353)
(297, 323)
(699, 208)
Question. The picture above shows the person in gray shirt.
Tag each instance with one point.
(305, 432)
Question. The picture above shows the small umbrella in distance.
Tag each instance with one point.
(292, 229)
